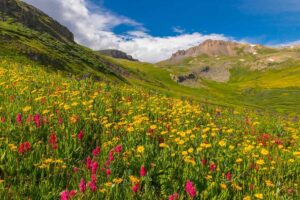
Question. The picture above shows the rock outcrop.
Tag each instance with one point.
(117, 54)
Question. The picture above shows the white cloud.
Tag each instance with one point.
(93, 26)
(178, 29)
(286, 44)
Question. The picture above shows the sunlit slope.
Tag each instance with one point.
(27, 34)
(269, 89)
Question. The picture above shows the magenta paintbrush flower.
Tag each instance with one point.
(82, 186)
(96, 151)
(143, 171)
(37, 120)
(118, 148)
(190, 189)
(174, 196)
(19, 119)
(92, 185)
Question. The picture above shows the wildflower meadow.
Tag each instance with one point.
(65, 138)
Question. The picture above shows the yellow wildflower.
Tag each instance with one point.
(260, 162)
(259, 196)
(184, 153)
(117, 180)
(163, 145)
(26, 108)
(140, 149)
(223, 185)
(222, 143)
(264, 151)
(269, 183)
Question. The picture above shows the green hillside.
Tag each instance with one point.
(48, 43)
(276, 89)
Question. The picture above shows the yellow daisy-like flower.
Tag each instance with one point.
(223, 186)
(26, 108)
(190, 150)
(163, 145)
(222, 143)
(260, 162)
(133, 179)
(264, 152)
(184, 153)
(296, 154)
(108, 184)
(103, 190)
(239, 160)
(247, 198)
(140, 149)
(269, 183)
(117, 180)
(237, 187)
(259, 196)
(153, 127)
(12, 147)
(199, 149)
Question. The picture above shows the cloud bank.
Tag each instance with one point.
(93, 26)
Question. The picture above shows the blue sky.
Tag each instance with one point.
(152, 30)
(261, 21)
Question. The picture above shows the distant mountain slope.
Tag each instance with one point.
(213, 60)
(117, 54)
(215, 48)
(28, 33)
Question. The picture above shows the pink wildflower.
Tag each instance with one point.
(94, 167)
(80, 135)
(37, 120)
(136, 187)
(190, 189)
(92, 185)
(174, 196)
(19, 119)
(82, 186)
(53, 141)
(64, 195)
(96, 151)
(212, 167)
(118, 148)
(228, 176)
(108, 172)
(143, 171)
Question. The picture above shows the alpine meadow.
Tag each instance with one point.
(217, 118)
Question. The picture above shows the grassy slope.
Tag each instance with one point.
(271, 90)
(20, 43)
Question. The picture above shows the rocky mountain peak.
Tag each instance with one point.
(214, 48)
